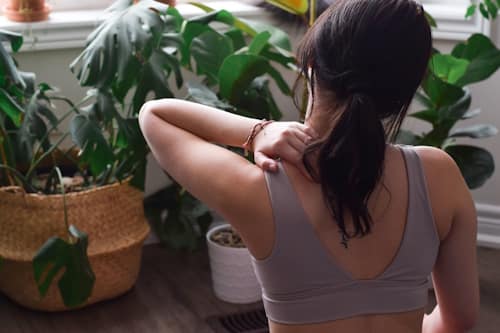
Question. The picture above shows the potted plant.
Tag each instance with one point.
(233, 277)
(45, 231)
(26, 10)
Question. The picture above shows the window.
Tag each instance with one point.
(451, 21)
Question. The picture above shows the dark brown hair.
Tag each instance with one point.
(371, 55)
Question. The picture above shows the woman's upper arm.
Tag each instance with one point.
(223, 180)
(455, 273)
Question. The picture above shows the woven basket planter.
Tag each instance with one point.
(113, 218)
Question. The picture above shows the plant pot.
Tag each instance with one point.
(26, 10)
(111, 215)
(233, 277)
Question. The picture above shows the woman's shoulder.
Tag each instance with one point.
(445, 184)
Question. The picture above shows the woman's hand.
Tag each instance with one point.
(287, 140)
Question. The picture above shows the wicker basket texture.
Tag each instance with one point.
(111, 215)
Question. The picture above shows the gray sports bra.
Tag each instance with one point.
(301, 282)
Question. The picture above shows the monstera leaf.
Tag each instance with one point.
(56, 255)
(95, 150)
(118, 47)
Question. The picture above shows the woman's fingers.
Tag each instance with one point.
(264, 162)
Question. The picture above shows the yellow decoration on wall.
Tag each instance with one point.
(292, 6)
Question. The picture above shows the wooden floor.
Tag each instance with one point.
(174, 295)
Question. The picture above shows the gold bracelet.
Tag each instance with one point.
(256, 129)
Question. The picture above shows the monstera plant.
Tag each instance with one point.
(27, 120)
(131, 57)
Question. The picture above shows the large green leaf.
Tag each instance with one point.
(119, 45)
(476, 164)
(209, 51)
(239, 70)
(56, 255)
(475, 131)
(448, 68)
(440, 92)
(483, 56)
(95, 150)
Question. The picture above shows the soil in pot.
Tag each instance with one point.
(227, 237)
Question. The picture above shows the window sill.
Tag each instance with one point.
(69, 29)
(452, 24)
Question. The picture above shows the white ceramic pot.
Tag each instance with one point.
(233, 277)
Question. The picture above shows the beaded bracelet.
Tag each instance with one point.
(256, 129)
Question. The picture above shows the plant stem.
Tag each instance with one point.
(63, 192)
(312, 12)
(3, 155)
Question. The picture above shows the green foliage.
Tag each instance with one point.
(129, 53)
(56, 255)
(179, 220)
(447, 101)
(131, 57)
(26, 120)
(487, 8)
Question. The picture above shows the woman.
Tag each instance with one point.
(347, 228)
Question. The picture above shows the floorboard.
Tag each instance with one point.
(173, 294)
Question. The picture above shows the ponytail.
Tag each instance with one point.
(350, 163)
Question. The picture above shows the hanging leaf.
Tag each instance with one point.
(476, 164)
(259, 43)
(56, 255)
(471, 114)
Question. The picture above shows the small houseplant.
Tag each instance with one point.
(26, 10)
